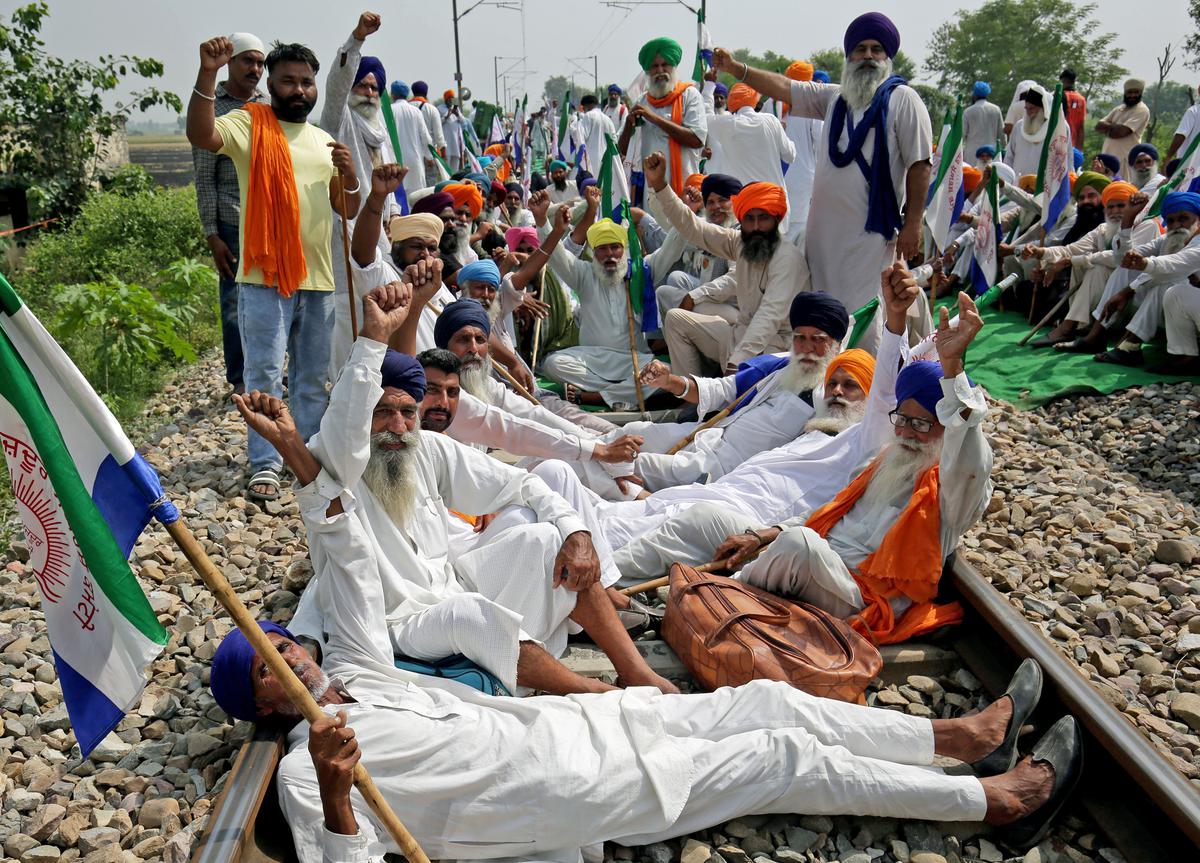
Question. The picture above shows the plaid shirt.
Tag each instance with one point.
(217, 196)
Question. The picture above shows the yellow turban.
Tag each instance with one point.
(424, 225)
(859, 364)
(1028, 183)
(606, 232)
(800, 71)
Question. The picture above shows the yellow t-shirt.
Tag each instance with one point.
(312, 165)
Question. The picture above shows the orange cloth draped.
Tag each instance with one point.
(469, 519)
(675, 100)
(908, 562)
(271, 223)
(418, 99)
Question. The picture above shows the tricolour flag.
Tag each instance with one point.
(704, 50)
(985, 261)
(1187, 171)
(614, 188)
(472, 155)
(564, 119)
(83, 495)
(1053, 177)
(497, 134)
(389, 120)
(947, 196)
(641, 285)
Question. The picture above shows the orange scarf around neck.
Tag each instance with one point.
(418, 99)
(271, 223)
(908, 562)
(675, 100)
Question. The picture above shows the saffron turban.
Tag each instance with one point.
(230, 676)
(464, 312)
(555, 164)
(399, 90)
(921, 381)
(742, 96)
(513, 238)
(1077, 157)
(819, 309)
(606, 232)
(857, 363)
(427, 226)
(403, 373)
(613, 88)
(668, 48)
(484, 270)
(981, 90)
(760, 196)
(1180, 202)
(1119, 191)
(466, 194)
(971, 178)
(1089, 179)
(1109, 161)
(694, 181)
(435, 204)
(447, 95)
(1148, 149)
(720, 184)
(1028, 183)
(986, 150)
(420, 88)
(243, 42)
(799, 71)
(821, 75)
(371, 66)
(872, 25)
(720, 89)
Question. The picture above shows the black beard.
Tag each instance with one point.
(1087, 217)
(560, 184)
(294, 110)
(448, 244)
(759, 245)
(1129, 103)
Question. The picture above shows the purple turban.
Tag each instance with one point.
(435, 203)
(818, 309)
(872, 25)
(420, 88)
(368, 65)
(1137, 150)
(404, 373)
(1109, 161)
(463, 312)
(720, 89)
(720, 184)
(922, 381)
(229, 679)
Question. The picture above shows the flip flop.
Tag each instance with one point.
(1118, 357)
(1023, 691)
(266, 476)
(1062, 748)
(1076, 346)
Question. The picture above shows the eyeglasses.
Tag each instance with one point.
(899, 420)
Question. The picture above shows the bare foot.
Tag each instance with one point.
(972, 737)
(1013, 795)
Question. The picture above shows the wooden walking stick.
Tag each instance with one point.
(1050, 314)
(296, 691)
(346, 261)
(537, 325)
(663, 581)
(720, 415)
(637, 380)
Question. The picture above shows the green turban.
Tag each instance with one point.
(1090, 178)
(558, 163)
(670, 50)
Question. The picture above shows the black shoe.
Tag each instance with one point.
(1062, 748)
(1023, 691)
(1048, 341)
(1118, 357)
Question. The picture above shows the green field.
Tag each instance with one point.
(168, 158)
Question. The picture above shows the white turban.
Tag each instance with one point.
(243, 42)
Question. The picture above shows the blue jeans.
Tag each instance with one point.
(231, 341)
(272, 325)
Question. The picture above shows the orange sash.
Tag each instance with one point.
(908, 562)
(418, 99)
(271, 223)
(675, 100)
(469, 519)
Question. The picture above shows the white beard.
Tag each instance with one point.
(1032, 124)
(474, 379)
(1114, 226)
(834, 415)
(1176, 240)
(462, 239)
(658, 89)
(860, 81)
(391, 476)
(900, 465)
(366, 107)
(1141, 178)
(317, 687)
(611, 281)
(799, 377)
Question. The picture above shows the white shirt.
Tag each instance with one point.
(487, 426)
(414, 139)
(752, 145)
(616, 114)
(382, 272)
(1189, 127)
(654, 139)
(593, 126)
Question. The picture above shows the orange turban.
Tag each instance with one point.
(971, 178)
(859, 364)
(693, 181)
(1119, 191)
(448, 95)
(742, 96)
(760, 196)
(468, 194)
(800, 71)
(1028, 183)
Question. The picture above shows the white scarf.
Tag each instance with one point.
(372, 134)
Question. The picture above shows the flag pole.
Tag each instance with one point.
(537, 325)
(637, 380)
(296, 691)
(724, 412)
(346, 260)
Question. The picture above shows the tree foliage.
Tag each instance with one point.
(1191, 44)
(57, 115)
(556, 86)
(1006, 41)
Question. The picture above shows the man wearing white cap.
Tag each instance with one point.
(217, 193)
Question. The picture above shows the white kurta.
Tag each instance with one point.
(805, 135)
(616, 114)
(654, 139)
(593, 126)
(415, 140)
(1150, 285)
(1024, 151)
(751, 146)
(983, 124)
(433, 122)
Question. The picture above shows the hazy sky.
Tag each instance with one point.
(416, 40)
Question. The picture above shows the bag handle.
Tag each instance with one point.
(778, 613)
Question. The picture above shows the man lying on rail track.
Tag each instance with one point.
(511, 619)
(475, 776)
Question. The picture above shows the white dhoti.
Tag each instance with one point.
(607, 371)
(703, 333)
(1088, 293)
(1148, 307)
(1181, 307)
(799, 564)
(688, 537)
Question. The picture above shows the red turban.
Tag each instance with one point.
(467, 194)
(971, 178)
(800, 71)
(859, 364)
(742, 96)
(760, 196)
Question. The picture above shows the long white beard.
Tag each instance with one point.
(391, 475)
(835, 415)
(900, 465)
(658, 89)
(1176, 240)
(462, 239)
(366, 107)
(1032, 124)
(473, 377)
(799, 377)
(1113, 226)
(861, 79)
(1141, 178)
(613, 280)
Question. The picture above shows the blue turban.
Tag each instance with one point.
(399, 90)
(720, 89)
(484, 161)
(555, 164)
(821, 75)
(404, 373)
(721, 184)
(613, 88)
(367, 65)
(981, 90)
(920, 380)
(1143, 148)
(484, 270)
(986, 150)
(583, 182)
(1078, 157)
(818, 309)
(463, 312)
(872, 25)
(1181, 202)
(229, 679)
(420, 88)
(1110, 161)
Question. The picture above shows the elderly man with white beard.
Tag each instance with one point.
(1143, 168)
(873, 167)
(511, 620)
(1025, 143)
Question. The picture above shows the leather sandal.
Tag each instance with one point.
(1062, 748)
(1076, 346)
(1023, 691)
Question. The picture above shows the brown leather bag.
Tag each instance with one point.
(728, 633)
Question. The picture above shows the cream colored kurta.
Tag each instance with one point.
(1136, 118)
